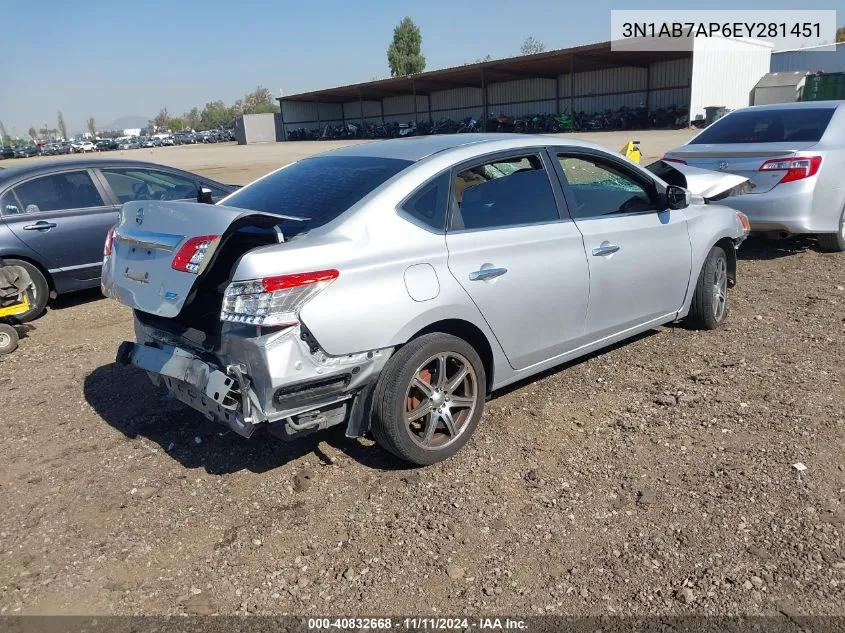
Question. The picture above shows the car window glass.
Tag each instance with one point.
(71, 190)
(600, 189)
(788, 125)
(429, 203)
(502, 193)
(148, 184)
(9, 204)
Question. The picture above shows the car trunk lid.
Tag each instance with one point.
(742, 159)
(148, 238)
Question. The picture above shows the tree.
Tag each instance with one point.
(5, 139)
(161, 120)
(531, 46)
(840, 34)
(403, 54)
(33, 133)
(259, 101)
(486, 58)
(215, 115)
(192, 118)
(61, 125)
(91, 125)
(176, 124)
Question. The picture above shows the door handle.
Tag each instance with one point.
(605, 249)
(39, 226)
(487, 273)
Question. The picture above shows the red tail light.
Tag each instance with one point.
(674, 160)
(796, 168)
(107, 247)
(283, 282)
(190, 256)
(273, 301)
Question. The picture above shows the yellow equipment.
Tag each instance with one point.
(8, 334)
(631, 150)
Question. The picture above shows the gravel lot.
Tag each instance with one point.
(657, 477)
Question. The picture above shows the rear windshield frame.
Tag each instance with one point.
(796, 126)
(301, 189)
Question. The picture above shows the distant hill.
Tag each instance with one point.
(126, 123)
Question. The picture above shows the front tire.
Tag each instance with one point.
(40, 294)
(429, 399)
(834, 242)
(709, 302)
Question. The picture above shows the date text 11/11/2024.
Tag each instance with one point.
(417, 624)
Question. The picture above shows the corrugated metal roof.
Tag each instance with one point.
(778, 80)
(548, 64)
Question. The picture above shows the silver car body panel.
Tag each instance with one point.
(809, 205)
(556, 301)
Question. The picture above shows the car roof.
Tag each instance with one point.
(47, 167)
(415, 148)
(797, 105)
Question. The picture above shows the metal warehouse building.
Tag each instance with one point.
(810, 59)
(589, 79)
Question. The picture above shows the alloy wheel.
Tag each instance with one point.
(440, 400)
(720, 288)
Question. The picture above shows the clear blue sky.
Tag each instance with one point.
(109, 58)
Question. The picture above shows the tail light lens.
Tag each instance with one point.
(107, 247)
(191, 255)
(796, 168)
(673, 160)
(273, 300)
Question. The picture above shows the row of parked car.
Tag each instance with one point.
(107, 144)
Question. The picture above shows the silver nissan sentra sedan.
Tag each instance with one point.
(392, 286)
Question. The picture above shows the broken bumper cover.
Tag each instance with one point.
(276, 379)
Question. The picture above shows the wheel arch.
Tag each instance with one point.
(34, 262)
(470, 333)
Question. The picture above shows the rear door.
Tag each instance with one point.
(518, 257)
(64, 217)
(639, 252)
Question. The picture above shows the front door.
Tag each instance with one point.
(64, 218)
(520, 262)
(639, 253)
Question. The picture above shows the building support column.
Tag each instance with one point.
(648, 89)
(319, 122)
(571, 85)
(414, 93)
(361, 105)
(282, 120)
(557, 94)
(483, 102)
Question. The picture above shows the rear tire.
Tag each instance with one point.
(8, 339)
(37, 297)
(834, 242)
(440, 379)
(709, 303)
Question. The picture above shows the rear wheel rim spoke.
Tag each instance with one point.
(441, 399)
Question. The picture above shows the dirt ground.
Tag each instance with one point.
(657, 477)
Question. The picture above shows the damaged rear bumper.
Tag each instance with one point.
(281, 380)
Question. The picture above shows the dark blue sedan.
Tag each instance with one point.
(54, 216)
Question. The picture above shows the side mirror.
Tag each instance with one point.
(204, 195)
(677, 197)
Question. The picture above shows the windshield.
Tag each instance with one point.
(317, 190)
(768, 126)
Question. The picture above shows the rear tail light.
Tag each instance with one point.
(191, 255)
(796, 168)
(673, 160)
(107, 247)
(273, 300)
